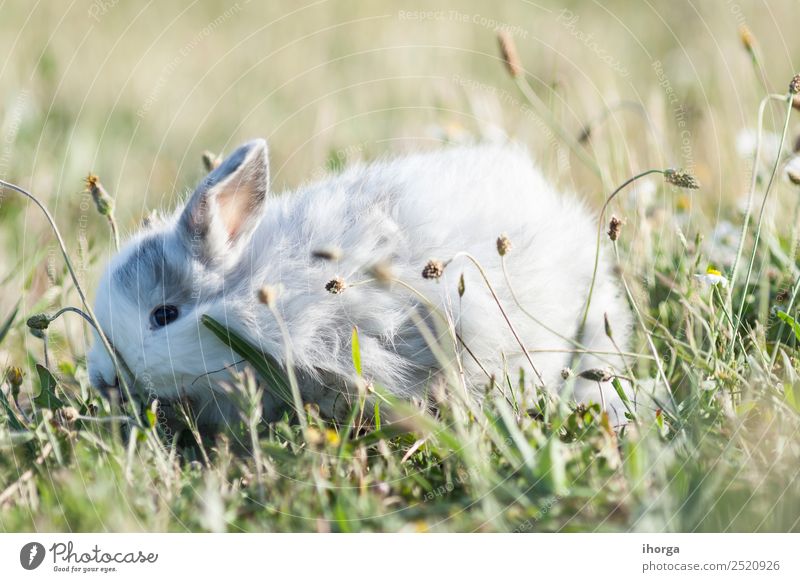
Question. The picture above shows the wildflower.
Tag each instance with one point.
(103, 202)
(792, 170)
(332, 437)
(335, 286)
(614, 228)
(681, 179)
(503, 245)
(211, 161)
(14, 378)
(267, 295)
(327, 253)
(712, 277)
(509, 52)
(794, 85)
(433, 269)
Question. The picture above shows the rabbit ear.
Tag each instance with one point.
(227, 205)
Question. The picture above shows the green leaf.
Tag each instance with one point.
(13, 421)
(47, 395)
(551, 468)
(623, 396)
(790, 320)
(266, 366)
(15, 438)
(151, 417)
(356, 351)
(511, 428)
(793, 396)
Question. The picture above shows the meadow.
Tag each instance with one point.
(674, 94)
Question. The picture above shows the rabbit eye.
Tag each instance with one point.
(164, 315)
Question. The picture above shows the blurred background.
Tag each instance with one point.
(135, 92)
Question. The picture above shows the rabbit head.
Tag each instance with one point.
(151, 297)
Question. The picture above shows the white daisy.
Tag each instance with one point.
(712, 277)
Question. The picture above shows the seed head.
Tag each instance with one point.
(211, 161)
(461, 286)
(433, 269)
(327, 253)
(40, 321)
(69, 414)
(382, 272)
(596, 375)
(607, 325)
(268, 295)
(103, 202)
(503, 245)
(794, 85)
(509, 52)
(681, 179)
(614, 228)
(336, 286)
(747, 38)
(566, 373)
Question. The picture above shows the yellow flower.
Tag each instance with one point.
(332, 437)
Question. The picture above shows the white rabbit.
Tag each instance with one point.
(231, 238)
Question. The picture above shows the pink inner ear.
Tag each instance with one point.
(232, 209)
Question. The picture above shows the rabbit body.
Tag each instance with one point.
(231, 239)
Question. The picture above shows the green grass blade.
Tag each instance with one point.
(356, 351)
(6, 327)
(13, 421)
(266, 366)
(791, 321)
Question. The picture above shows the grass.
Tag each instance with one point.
(716, 451)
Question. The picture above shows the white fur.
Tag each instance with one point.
(404, 211)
